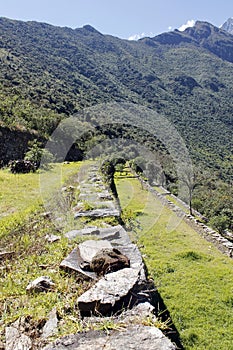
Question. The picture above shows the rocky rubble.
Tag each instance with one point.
(111, 293)
(40, 284)
(119, 293)
(134, 337)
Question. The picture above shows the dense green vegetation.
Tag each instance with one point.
(49, 73)
(192, 276)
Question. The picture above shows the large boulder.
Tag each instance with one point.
(80, 258)
(111, 293)
(136, 337)
(109, 260)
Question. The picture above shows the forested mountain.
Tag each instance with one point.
(48, 73)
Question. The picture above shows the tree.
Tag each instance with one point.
(220, 223)
(36, 153)
(190, 180)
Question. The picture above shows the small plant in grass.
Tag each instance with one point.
(129, 219)
(157, 322)
(191, 255)
(104, 324)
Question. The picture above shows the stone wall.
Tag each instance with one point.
(13, 144)
(222, 243)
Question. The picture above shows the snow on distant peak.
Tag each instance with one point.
(190, 23)
(140, 36)
(228, 25)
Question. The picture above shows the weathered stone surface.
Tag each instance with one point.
(136, 337)
(16, 340)
(50, 327)
(136, 315)
(115, 234)
(40, 284)
(111, 292)
(94, 178)
(119, 239)
(105, 196)
(109, 260)
(134, 255)
(85, 231)
(143, 310)
(86, 196)
(98, 213)
(104, 205)
(73, 263)
(90, 248)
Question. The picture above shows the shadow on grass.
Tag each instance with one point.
(161, 311)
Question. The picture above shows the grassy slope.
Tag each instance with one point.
(22, 194)
(34, 256)
(194, 279)
(24, 233)
(19, 191)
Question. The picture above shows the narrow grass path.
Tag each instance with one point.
(194, 279)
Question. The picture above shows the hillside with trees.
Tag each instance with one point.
(50, 73)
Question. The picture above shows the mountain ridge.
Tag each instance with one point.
(48, 73)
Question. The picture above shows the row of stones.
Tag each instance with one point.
(96, 195)
(121, 287)
(222, 243)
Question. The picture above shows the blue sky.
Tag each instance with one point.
(121, 18)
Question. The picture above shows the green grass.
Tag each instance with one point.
(25, 234)
(22, 194)
(35, 257)
(178, 204)
(194, 279)
(172, 199)
(19, 191)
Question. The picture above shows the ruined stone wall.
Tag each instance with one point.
(13, 144)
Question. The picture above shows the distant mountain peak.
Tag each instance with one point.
(228, 25)
(90, 29)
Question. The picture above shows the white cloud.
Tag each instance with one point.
(140, 36)
(169, 28)
(190, 23)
